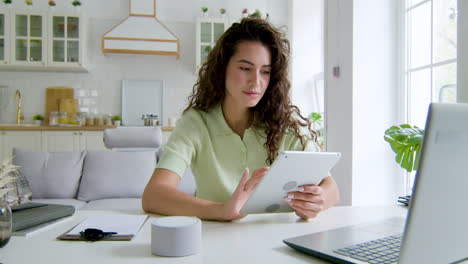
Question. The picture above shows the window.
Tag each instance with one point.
(430, 55)
(430, 59)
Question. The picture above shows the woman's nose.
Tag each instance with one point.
(255, 78)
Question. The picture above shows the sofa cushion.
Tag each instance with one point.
(126, 204)
(50, 174)
(111, 174)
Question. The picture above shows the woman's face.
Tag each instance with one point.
(248, 74)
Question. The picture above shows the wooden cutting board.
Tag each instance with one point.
(70, 106)
(53, 96)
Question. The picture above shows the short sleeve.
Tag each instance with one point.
(183, 143)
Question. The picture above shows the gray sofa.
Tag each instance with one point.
(96, 180)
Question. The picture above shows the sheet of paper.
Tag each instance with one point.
(125, 225)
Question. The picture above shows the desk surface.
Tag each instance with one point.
(254, 239)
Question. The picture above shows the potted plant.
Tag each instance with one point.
(316, 121)
(76, 3)
(38, 118)
(205, 11)
(52, 3)
(256, 14)
(116, 120)
(222, 11)
(7, 2)
(406, 140)
(29, 3)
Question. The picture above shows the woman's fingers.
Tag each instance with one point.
(308, 202)
(306, 197)
(305, 214)
(257, 176)
(243, 181)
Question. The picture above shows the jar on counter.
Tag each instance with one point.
(98, 120)
(53, 118)
(107, 120)
(81, 118)
(62, 118)
(90, 120)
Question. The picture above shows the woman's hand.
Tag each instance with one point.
(231, 209)
(310, 200)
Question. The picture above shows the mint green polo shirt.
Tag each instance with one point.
(216, 154)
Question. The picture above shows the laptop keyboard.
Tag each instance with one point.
(379, 251)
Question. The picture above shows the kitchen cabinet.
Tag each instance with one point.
(93, 140)
(56, 141)
(4, 36)
(66, 40)
(30, 140)
(207, 32)
(40, 40)
(28, 38)
(72, 140)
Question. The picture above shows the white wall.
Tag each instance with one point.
(306, 36)
(363, 101)
(462, 52)
(375, 102)
(107, 71)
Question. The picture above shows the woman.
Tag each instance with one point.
(238, 119)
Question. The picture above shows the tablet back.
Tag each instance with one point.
(290, 170)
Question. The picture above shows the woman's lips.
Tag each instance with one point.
(252, 93)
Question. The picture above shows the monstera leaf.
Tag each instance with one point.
(405, 141)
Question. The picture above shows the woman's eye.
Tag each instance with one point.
(266, 72)
(244, 68)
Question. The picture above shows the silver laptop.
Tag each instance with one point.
(436, 227)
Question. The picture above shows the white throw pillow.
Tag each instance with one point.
(112, 174)
(51, 174)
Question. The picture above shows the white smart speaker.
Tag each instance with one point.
(175, 236)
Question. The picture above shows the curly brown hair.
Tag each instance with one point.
(274, 112)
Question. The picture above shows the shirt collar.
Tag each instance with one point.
(221, 126)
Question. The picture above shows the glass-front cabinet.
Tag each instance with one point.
(41, 40)
(4, 37)
(28, 39)
(65, 40)
(208, 31)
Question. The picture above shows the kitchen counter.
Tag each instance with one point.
(29, 127)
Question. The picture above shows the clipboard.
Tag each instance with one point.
(125, 226)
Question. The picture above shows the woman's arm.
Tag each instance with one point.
(162, 197)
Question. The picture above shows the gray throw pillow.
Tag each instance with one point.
(51, 174)
(112, 174)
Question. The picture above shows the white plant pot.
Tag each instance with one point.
(37, 122)
(117, 122)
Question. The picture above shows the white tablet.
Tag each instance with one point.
(290, 170)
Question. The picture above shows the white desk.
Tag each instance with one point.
(254, 239)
